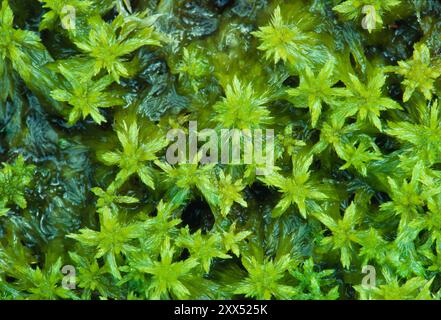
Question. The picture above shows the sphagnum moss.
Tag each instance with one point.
(89, 91)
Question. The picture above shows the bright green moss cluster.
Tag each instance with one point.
(92, 208)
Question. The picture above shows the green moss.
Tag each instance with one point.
(89, 93)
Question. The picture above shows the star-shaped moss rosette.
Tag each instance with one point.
(136, 155)
(419, 73)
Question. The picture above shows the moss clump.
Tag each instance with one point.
(90, 90)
